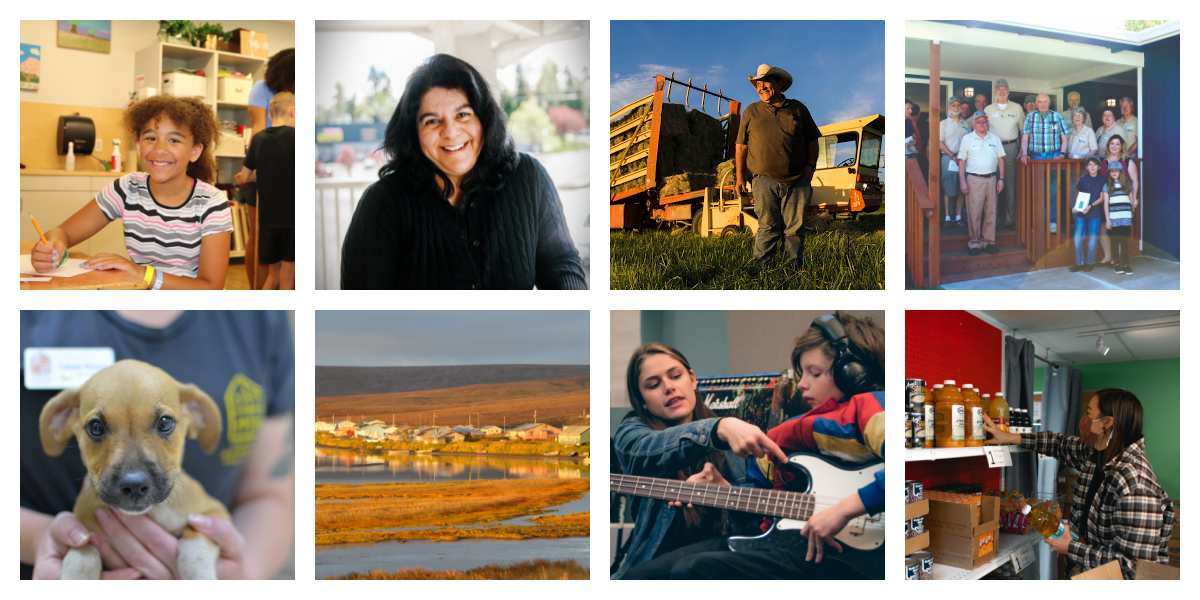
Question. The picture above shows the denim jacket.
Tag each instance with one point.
(644, 451)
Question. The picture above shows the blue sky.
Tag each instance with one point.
(424, 338)
(837, 66)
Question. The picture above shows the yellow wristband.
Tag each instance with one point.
(149, 276)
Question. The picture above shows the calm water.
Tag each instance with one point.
(467, 554)
(349, 466)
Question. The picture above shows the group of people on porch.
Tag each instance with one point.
(980, 145)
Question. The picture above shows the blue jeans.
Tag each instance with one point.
(1053, 205)
(779, 207)
(1087, 227)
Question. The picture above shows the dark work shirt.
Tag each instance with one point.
(512, 238)
(272, 157)
(242, 359)
(777, 139)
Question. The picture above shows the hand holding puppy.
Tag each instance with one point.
(63, 533)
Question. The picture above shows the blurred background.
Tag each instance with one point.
(539, 71)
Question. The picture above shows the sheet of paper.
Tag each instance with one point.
(997, 456)
(1082, 201)
(35, 279)
(952, 166)
(71, 268)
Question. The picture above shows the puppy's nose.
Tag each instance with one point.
(134, 484)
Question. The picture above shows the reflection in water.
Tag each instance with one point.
(462, 555)
(336, 465)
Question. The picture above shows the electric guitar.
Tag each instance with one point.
(806, 475)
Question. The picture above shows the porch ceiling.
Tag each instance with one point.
(977, 62)
(987, 54)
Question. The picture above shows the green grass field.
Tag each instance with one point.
(79, 41)
(838, 255)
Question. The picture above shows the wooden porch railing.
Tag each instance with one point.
(921, 219)
(1035, 209)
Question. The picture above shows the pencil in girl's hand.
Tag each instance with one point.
(45, 241)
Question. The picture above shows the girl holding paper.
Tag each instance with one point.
(1087, 214)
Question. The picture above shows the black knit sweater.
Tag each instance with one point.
(513, 238)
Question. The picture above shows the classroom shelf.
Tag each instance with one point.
(1010, 544)
(930, 454)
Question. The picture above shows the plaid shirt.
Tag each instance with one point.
(1131, 516)
(1045, 131)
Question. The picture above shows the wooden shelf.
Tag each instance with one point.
(932, 454)
(1009, 545)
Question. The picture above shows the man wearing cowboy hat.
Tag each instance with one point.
(777, 143)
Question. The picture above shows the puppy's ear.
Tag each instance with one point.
(206, 417)
(59, 418)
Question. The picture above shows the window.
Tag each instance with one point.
(1111, 103)
(968, 92)
(870, 150)
(838, 150)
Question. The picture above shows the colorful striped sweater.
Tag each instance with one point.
(166, 237)
(851, 430)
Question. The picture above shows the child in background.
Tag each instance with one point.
(1087, 221)
(177, 225)
(1119, 205)
(271, 163)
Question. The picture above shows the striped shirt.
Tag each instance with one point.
(1120, 209)
(850, 430)
(166, 237)
(1045, 131)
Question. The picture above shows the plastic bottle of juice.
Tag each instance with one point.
(1002, 409)
(950, 427)
(991, 407)
(973, 413)
(1045, 518)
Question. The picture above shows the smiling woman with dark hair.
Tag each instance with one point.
(456, 206)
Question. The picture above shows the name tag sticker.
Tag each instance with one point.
(62, 368)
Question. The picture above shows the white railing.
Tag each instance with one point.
(336, 201)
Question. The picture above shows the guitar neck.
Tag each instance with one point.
(775, 503)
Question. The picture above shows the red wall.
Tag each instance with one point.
(952, 344)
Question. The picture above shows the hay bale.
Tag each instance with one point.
(685, 182)
(725, 173)
(690, 141)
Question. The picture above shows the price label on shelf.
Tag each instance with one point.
(1023, 557)
(997, 456)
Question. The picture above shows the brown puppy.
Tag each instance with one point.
(131, 420)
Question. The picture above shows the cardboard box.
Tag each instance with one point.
(184, 85)
(1108, 570)
(249, 42)
(1145, 569)
(234, 89)
(964, 535)
(1151, 570)
(916, 543)
(916, 509)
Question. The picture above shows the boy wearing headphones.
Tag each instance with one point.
(839, 374)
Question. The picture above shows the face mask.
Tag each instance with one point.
(1085, 431)
(1089, 437)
